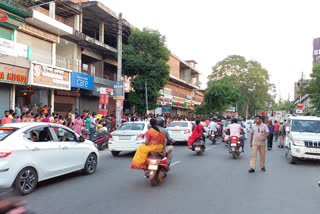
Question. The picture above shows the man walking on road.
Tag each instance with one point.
(259, 135)
(282, 134)
(270, 137)
(276, 130)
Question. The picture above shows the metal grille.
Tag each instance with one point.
(312, 144)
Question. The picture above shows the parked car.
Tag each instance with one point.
(302, 138)
(128, 137)
(33, 152)
(180, 131)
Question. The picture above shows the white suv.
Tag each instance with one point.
(302, 138)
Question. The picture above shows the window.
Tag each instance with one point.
(5, 132)
(40, 134)
(305, 126)
(64, 134)
(132, 126)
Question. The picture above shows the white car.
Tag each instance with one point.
(33, 152)
(302, 138)
(128, 137)
(180, 131)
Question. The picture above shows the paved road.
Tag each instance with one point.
(210, 183)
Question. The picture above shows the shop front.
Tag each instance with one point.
(51, 86)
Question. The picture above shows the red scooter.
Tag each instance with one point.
(157, 168)
(100, 139)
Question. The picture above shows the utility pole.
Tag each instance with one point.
(119, 71)
(146, 89)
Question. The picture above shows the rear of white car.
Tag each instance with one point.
(180, 131)
(128, 137)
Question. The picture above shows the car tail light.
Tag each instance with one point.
(187, 131)
(110, 136)
(4, 154)
(141, 136)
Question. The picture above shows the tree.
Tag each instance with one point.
(284, 105)
(249, 78)
(314, 87)
(145, 57)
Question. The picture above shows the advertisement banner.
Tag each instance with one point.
(316, 50)
(83, 81)
(10, 48)
(13, 74)
(118, 92)
(50, 76)
(166, 109)
(103, 104)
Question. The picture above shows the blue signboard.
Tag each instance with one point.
(81, 81)
(118, 92)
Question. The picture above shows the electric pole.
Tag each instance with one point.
(119, 71)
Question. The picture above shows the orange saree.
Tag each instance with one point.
(155, 145)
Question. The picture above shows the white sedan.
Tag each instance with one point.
(180, 131)
(33, 152)
(128, 137)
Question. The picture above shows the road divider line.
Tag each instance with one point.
(210, 147)
(175, 163)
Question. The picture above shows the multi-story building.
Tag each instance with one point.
(70, 48)
(182, 92)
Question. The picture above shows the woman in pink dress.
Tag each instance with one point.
(78, 123)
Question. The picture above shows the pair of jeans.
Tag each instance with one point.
(270, 140)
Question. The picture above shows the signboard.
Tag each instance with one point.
(166, 109)
(118, 92)
(103, 104)
(105, 91)
(127, 83)
(316, 50)
(3, 17)
(79, 80)
(50, 76)
(299, 108)
(38, 33)
(10, 48)
(13, 74)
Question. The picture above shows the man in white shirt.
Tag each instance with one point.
(213, 126)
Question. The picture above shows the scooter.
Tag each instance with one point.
(212, 136)
(100, 139)
(198, 146)
(157, 168)
(235, 147)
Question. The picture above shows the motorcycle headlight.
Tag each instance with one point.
(298, 143)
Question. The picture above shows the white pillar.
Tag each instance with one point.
(101, 32)
(52, 9)
(52, 100)
(53, 54)
(12, 97)
(76, 22)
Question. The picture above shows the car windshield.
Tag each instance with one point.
(305, 126)
(5, 132)
(132, 126)
(178, 124)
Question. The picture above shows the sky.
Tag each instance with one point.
(276, 33)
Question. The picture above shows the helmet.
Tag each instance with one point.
(160, 121)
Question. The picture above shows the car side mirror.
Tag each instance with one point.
(81, 139)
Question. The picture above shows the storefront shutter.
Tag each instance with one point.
(5, 33)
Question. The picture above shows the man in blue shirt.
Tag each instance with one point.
(270, 137)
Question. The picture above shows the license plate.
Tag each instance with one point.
(153, 167)
(124, 137)
(233, 144)
(314, 151)
(197, 148)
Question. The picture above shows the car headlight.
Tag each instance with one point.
(298, 142)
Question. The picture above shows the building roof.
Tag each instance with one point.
(182, 82)
(193, 70)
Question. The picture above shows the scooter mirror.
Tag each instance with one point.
(81, 139)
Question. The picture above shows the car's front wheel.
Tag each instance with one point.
(26, 181)
(91, 164)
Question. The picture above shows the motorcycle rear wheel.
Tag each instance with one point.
(234, 155)
(155, 180)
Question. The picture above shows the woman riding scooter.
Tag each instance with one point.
(196, 133)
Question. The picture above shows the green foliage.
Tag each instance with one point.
(248, 78)
(145, 57)
(314, 87)
(284, 105)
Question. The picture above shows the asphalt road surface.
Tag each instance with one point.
(209, 183)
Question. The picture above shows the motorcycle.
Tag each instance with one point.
(235, 147)
(100, 139)
(212, 137)
(157, 168)
(198, 146)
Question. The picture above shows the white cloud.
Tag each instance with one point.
(276, 33)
